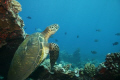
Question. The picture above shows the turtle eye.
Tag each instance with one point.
(51, 27)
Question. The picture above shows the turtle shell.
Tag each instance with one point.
(27, 57)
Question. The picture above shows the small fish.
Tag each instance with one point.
(38, 29)
(93, 52)
(25, 28)
(118, 34)
(77, 36)
(96, 40)
(56, 40)
(98, 30)
(65, 33)
(115, 43)
(29, 17)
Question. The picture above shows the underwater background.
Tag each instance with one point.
(81, 23)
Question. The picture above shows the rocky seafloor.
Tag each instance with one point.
(108, 70)
(12, 34)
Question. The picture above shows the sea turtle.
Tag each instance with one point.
(32, 52)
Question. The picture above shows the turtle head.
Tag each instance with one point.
(50, 30)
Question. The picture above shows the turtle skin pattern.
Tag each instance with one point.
(27, 57)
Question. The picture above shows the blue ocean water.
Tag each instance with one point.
(77, 18)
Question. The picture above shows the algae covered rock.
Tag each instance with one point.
(90, 69)
(11, 32)
(110, 69)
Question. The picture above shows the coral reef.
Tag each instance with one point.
(44, 74)
(61, 72)
(73, 59)
(11, 24)
(62, 67)
(76, 56)
(11, 32)
(15, 6)
(110, 69)
(88, 72)
(65, 56)
(90, 69)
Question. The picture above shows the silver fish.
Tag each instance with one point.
(38, 29)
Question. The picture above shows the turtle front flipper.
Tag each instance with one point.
(54, 53)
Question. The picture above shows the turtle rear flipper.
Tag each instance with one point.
(54, 53)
